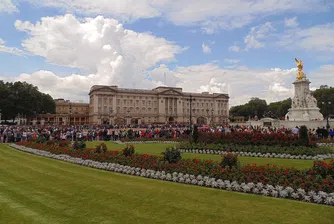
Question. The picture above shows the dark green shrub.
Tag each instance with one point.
(303, 134)
(79, 145)
(129, 150)
(229, 160)
(101, 148)
(195, 134)
(51, 142)
(64, 143)
(172, 155)
(131, 134)
(41, 139)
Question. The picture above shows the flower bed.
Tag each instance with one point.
(268, 175)
(258, 149)
(251, 186)
(258, 154)
(152, 140)
(324, 144)
(255, 138)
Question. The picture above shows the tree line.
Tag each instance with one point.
(259, 107)
(22, 98)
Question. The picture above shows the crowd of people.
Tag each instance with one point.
(17, 133)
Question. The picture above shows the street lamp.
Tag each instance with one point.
(207, 113)
(327, 106)
(212, 116)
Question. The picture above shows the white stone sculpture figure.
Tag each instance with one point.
(304, 105)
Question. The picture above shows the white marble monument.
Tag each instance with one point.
(304, 105)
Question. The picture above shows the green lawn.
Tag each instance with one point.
(42, 190)
(156, 149)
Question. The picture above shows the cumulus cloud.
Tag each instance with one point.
(206, 49)
(291, 22)
(210, 16)
(269, 84)
(97, 46)
(9, 50)
(7, 6)
(234, 48)
(313, 39)
(231, 61)
(256, 33)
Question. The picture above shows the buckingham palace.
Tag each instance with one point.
(161, 105)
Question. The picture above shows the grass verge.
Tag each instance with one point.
(42, 190)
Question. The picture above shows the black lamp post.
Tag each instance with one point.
(207, 112)
(212, 116)
(70, 113)
(328, 104)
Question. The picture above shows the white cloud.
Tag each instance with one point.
(98, 46)
(9, 50)
(206, 49)
(231, 61)
(317, 39)
(291, 22)
(234, 48)
(210, 16)
(257, 33)
(269, 84)
(7, 6)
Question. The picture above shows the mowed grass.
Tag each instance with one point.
(41, 190)
(157, 149)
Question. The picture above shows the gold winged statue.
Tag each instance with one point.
(300, 74)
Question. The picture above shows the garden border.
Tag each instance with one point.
(148, 142)
(253, 188)
(258, 154)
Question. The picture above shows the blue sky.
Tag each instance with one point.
(245, 49)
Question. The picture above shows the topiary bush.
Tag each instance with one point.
(230, 160)
(41, 139)
(101, 148)
(131, 134)
(79, 145)
(64, 143)
(195, 134)
(172, 155)
(129, 150)
(303, 134)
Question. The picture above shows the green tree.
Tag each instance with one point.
(254, 107)
(280, 108)
(23, 98)
(325, 95)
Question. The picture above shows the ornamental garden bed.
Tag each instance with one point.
(256, 138)
(284, 152)
(313, 185)
(258, 154)
(319, 178)
(152, 140)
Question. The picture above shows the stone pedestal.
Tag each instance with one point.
(304, 105)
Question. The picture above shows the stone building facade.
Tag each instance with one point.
(162, 105)
(67, 112)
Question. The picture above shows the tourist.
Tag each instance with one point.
(331, 134)
(295, 130)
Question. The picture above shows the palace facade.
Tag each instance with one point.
(161, 105)
(67, 112)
